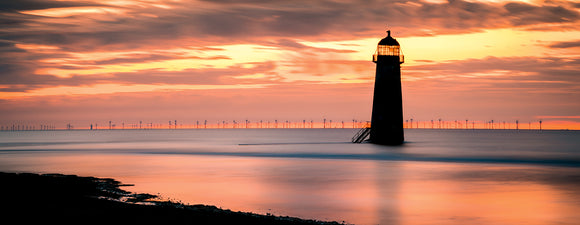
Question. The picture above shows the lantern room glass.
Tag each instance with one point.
(389, 50)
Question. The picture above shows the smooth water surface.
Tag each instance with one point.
(437, 177)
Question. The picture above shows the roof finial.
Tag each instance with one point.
(389, 33)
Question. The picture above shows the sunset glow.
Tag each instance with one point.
(84, 62)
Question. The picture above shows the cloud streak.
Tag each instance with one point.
(566, 44)
(246, 21)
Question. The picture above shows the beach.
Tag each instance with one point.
(70, 199)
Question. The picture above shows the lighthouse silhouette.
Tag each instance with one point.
(387, 116)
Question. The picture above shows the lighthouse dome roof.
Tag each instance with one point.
(388, 40)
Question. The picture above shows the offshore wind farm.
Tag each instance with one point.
(270, 124)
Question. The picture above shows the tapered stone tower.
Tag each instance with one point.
(387, 117)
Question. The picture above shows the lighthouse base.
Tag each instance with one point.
(387, 137)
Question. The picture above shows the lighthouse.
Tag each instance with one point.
(387, 115)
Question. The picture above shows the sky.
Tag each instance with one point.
(83, 62)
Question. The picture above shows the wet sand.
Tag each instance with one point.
(69, 199)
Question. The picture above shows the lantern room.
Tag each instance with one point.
(389, 47)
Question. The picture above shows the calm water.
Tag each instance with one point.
(437, 177)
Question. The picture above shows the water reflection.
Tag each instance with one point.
(436, 193)
(360, 192)
(367, 184)
(387, 177)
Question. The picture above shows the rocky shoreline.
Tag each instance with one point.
(70, 199)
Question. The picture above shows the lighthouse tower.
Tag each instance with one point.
(387, 117)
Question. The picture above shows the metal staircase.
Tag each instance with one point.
(362, 134)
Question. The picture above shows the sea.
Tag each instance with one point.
(436, 177)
